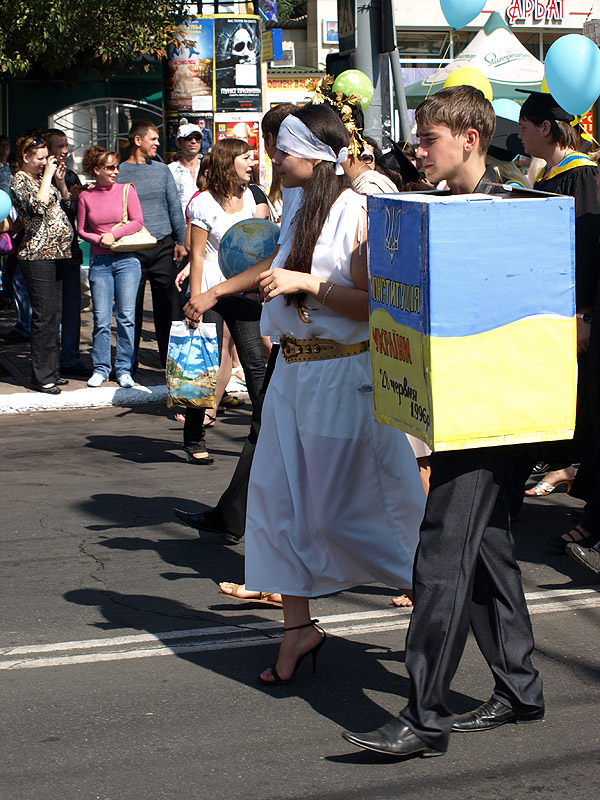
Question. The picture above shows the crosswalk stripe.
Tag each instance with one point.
(255, 634)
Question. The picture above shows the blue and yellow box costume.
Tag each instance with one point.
(473, 334)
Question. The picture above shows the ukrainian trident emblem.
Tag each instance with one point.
(392, 230)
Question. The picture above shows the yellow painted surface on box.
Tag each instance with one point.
(399, 364)
(490, 389)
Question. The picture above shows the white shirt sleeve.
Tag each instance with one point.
(201, 211)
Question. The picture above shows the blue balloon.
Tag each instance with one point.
(572, 72)
(5, 205)
(508, 109)
(460, 12)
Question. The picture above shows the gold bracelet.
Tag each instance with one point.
(324, 300)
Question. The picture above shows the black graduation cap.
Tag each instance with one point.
(505, 142)
(541, 105)
(397, 160)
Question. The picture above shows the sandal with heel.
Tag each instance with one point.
(314, 651)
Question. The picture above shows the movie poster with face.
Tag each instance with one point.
(237, 65)
(189, 77)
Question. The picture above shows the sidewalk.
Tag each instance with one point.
(17, 396)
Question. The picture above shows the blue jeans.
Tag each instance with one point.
(114, 276)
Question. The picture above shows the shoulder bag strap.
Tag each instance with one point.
(124, 219)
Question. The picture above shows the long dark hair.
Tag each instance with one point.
(320, 193)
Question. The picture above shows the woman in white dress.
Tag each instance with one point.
(335, 498)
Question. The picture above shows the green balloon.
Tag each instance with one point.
(353, 81)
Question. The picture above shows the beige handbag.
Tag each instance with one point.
(140, 240)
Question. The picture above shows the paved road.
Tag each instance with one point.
(125, 676)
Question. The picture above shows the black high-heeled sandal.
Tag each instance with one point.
(313, 651)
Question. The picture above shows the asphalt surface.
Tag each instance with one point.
(125, 676)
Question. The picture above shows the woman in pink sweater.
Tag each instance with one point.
(112, 275)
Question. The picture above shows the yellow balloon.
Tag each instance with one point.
(545, 88)
(468, 76)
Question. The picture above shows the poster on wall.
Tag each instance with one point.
(189, 77)
(237, 64)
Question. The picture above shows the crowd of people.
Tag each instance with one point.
(328, 498)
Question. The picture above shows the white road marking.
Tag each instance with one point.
(350, 624)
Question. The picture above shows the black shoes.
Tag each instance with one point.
(76, 371)
(394, 739)
(203, 523)
(61, 381)
(191, 459)
(13, 337)
(54, 389)
(491, 715)
(586, 556)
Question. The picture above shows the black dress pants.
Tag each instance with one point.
(241, 314)
(43, 279)
(230, 512)
(159, 268)
(466, 575)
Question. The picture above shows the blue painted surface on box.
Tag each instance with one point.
(473, 317)
(445, 273)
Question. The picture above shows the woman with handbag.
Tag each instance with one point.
(46, 241)
(105, 214)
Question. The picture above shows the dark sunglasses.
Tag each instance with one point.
(367, 158)
(237, 48)
(111, 167)
(36, 143)
(194, 137)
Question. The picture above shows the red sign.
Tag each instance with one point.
(587, 122)
(548, 10)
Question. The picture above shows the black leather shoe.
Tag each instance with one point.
(54, 389)
(491, 715)
(76, 371)
(13, 337)
(394, 739)
(586, 556)
(61, 381)
(203, 523)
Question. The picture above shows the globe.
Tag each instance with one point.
(245, 244)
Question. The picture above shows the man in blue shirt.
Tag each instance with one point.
(164, 219)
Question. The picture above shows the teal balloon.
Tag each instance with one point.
(5, 204)
(507, 109)
(459, 13)
(572, 72)
(353, 81)
(245, 244)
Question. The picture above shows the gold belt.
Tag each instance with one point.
(318, 349)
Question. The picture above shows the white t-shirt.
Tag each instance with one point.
(206, 213)
(186, 185)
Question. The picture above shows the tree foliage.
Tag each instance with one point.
(59, 37)
(291, 9)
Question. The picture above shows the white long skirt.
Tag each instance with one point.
(335, 499)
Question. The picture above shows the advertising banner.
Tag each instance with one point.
(238, 84)
(463, 290)
(189, 77)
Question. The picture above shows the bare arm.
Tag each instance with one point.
(243, 282)
(351, 302)
(198, 240)
(262, 211)
(43, 193)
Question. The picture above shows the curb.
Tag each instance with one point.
(24, 402)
